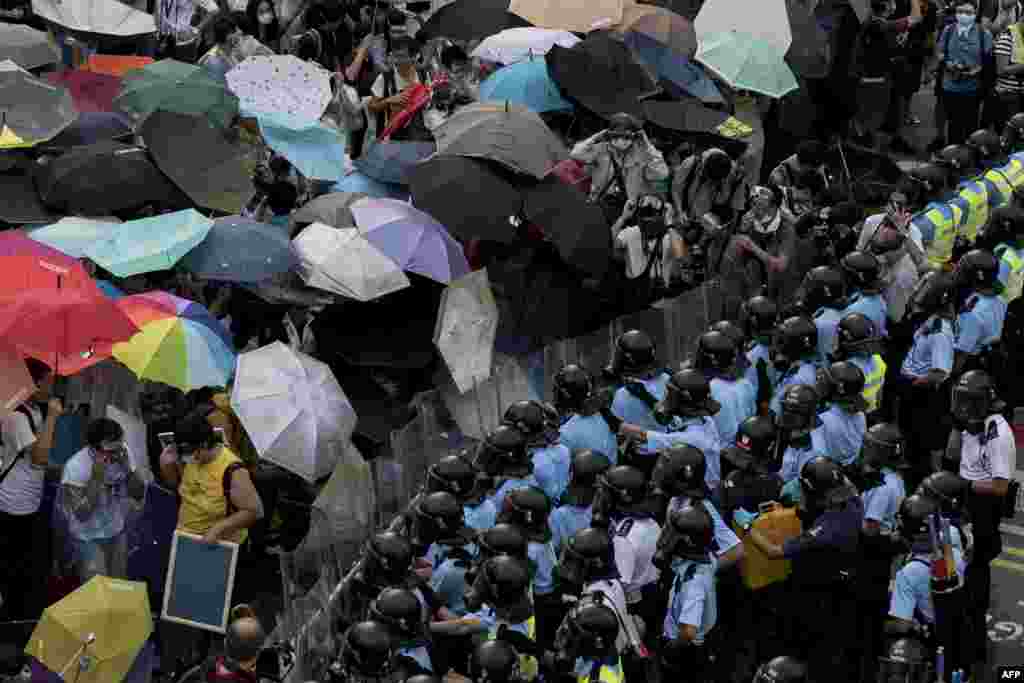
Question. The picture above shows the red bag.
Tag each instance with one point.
(419, 95)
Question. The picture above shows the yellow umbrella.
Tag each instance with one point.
(102, 626)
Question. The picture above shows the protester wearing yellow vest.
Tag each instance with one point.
(218, 499)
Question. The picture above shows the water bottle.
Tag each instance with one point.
(940, 663)
(958, 676)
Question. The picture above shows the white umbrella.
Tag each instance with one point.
(767, 20)
(467, 322)
(293, 91)
(26, 46)
(516, 44)
(342, 261)
(293, 409)
(101, 17)
(570, 15)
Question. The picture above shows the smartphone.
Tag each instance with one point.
(166, 439)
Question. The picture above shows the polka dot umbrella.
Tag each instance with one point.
(282, 87)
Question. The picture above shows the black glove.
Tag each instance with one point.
(519, 641)
(614, 423)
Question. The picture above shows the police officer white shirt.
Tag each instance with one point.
(635, 540)
(992, 454)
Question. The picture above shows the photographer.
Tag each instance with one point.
(649, 248)
(95, 483)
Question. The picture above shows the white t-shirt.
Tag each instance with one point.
(989, 455)
(22, 490)
(631, 239)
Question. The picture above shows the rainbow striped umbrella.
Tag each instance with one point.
(179, 343)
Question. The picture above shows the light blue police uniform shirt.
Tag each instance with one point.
(738, 402)
(980, 323)
(580, 432)
(448, 581)
(794, 459)
(544, 559)
(692, 600)
(873, 307)
(481, 516)
(699, 432)
(419, 655)
(489, 619)
(912, 593)
(827, 321)
(565, 520)
(755, 353)
(551, 469)
(632, 410)
(844, 434)
(725, 538)
(804, 373)
(883, 502)
(498, 497)
(931, 350)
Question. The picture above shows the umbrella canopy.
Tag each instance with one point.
(54, 325)
(180, 88)
(281, 85)
(747, 63)
(116, 65)
(356, 182)
(471, 197)
(470, 20)
(90, 128)
(27, 264)
(392, 162)
(516, 44)
(684, 76)
(149, 244)
(511, 135)
(411, 238)
(316, 151)
(26, 47)
(240, 249)
(330, 209)
(31, 110)
(19, 201)
(72, 235)
(809, 55)
(571, 15)
(576, 226)
(98, 17)
(342, 261)
(767, 20)
(104, 178)
(660, 25)
(685, 8)
(214, 172)
(688, 116)
(16, 383)
(115, 611)
(527, 84)
(467, 322)
(179, 342)
(293, 409)
(602, 74)
(288, 289)
(90, 92)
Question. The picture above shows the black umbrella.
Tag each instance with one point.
(215, 172)
(471, 197)
(684, 8)
(471, 20)
(809, 55)
(602, 74)
(685, 116)
(19, 201)
(574, 225)
(104, 178)
(91, 127)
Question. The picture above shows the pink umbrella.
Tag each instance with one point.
(91, 91)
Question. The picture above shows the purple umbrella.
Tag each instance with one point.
(411, 238)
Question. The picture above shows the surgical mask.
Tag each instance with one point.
(266, 18)
(621, 144)
(965, 20)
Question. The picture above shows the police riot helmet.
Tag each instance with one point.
(623, 490)
(884, 446)
(987, 145)
(679, 471)
(529, 417)
(731, 330)
(978, 269)
(912, 517)
(935, 292)
(688, 534)
(948, 489)
(389, 558)
(634, 353)
(504, 452)
(824, 286)
(975, 400)
(1013, 133)
(624, 123)
(589, 630)
(507, 580)
(715, 351)
(503, 538)
(795, 338)
(842, 382)
(454, 474)
(907, 661)
(584, 469)
(495, 661)
(781, 670)
(572, 387)
(438, 518)
(932, 177)
(960, 159)
(688, 394)
(587, 556)
(820, 476)
(717, 164)
(755, 445)
(856, 333)
(400, 610)
(1005, 224)
(528, 508)
(366, 649)
(760, 316)
(862, 270)
(799, 408)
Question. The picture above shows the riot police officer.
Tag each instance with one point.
(641, 381)
(760, 316)
(400, 610)
(980, 322)
(883, 458)
(456, 475)
(716, 357)
(863, 272)
(950, 491)
(1004, 237)
(550, 458)
(794, 350)
(366, 652)
(802, 429)
(386, 561)
(495, 661)
(858, 342)
(739, 338)
(439, 532)
(781, 670)
(503, 457)
(757, 460)
(939, 220)
(825, 297)
(908, 661)
(840, 390)
(577, 504)
(585, 425)
(585, 649)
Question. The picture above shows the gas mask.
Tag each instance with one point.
(970, 410)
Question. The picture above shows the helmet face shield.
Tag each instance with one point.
(969, 406)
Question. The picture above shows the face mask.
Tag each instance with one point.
(965, 20)
(266, 18)
(621, 144)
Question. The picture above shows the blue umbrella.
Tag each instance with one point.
(358, 182)
(316, 151)
(109, 289)
(241, 250)
(526, 83)
(149, 244)
(674, 68)
(391, 162)
(74, 235)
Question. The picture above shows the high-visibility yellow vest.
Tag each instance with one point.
(1017, 55)
(529, 667)
(976, 216)
(1014, 170)
(873, 382)
(607, 674)
(945, 218)
(1015, 281)
(1003, 189)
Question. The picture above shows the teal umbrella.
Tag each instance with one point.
(73, 235)
(177, 87)
(747, 63)
(150, 244)
(525, 83)
(314, 149)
